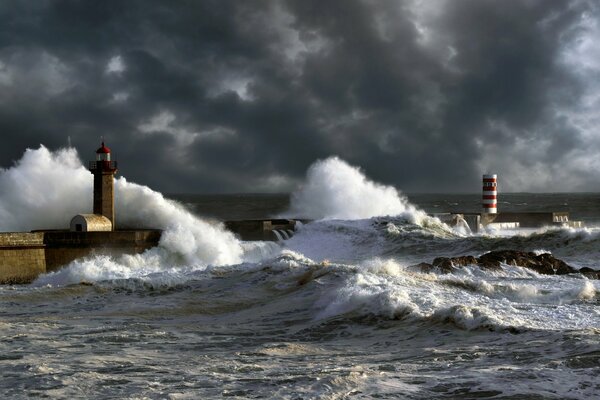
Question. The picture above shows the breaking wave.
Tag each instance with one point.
(333, 189)
(388, 289)
(44, 190)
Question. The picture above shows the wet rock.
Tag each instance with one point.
(545, 263)
(541, 263)
(423, 267)
(590, 273)
(443, 264)
(449, 264)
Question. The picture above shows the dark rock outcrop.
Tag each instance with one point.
(545, 263)
(423, 267)
(590, 273)
(541, 263)
(446, 264)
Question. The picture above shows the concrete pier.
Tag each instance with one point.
(510, 220)
(532, 219)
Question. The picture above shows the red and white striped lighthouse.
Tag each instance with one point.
(490, 194)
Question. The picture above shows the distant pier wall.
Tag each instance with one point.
(24, 256)
(528, 219)
(510, 219)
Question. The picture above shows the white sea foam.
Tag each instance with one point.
(336, 240)
(347, 206)
(386, 288)
(467, 317)
(44, 190)
(333, 189)
(539, 290)
(188, 239)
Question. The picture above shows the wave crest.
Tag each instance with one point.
(334, 189)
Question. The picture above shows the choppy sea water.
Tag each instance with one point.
(334, 312)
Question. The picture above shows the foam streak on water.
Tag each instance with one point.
(336, 311)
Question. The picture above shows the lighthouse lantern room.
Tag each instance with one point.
(103, 153)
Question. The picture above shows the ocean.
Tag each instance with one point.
(334, 312)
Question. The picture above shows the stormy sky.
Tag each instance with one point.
(242, 96)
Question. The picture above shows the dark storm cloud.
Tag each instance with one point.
(220, 96)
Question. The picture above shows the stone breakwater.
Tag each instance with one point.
(541, 263)
(26, 255)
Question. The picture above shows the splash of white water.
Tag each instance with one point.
(43, 190)
(336, 190)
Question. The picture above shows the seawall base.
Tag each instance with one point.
(26, 255)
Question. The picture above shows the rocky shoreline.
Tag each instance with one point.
(541, 263)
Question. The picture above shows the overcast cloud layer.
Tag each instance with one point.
(242, 96)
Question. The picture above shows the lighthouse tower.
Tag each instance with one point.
(104, 171)
(490, 194)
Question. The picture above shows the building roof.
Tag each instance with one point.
(103, 149)
(91, 223)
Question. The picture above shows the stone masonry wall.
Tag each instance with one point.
(62, 247)
(22, 257)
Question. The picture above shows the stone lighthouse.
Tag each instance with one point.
(104, 170)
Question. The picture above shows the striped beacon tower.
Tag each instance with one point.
(490, 194)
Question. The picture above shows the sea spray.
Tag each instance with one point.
(44, 190)
(336, 190)
(194, 241)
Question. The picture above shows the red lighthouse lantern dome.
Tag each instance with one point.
(103, 153)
